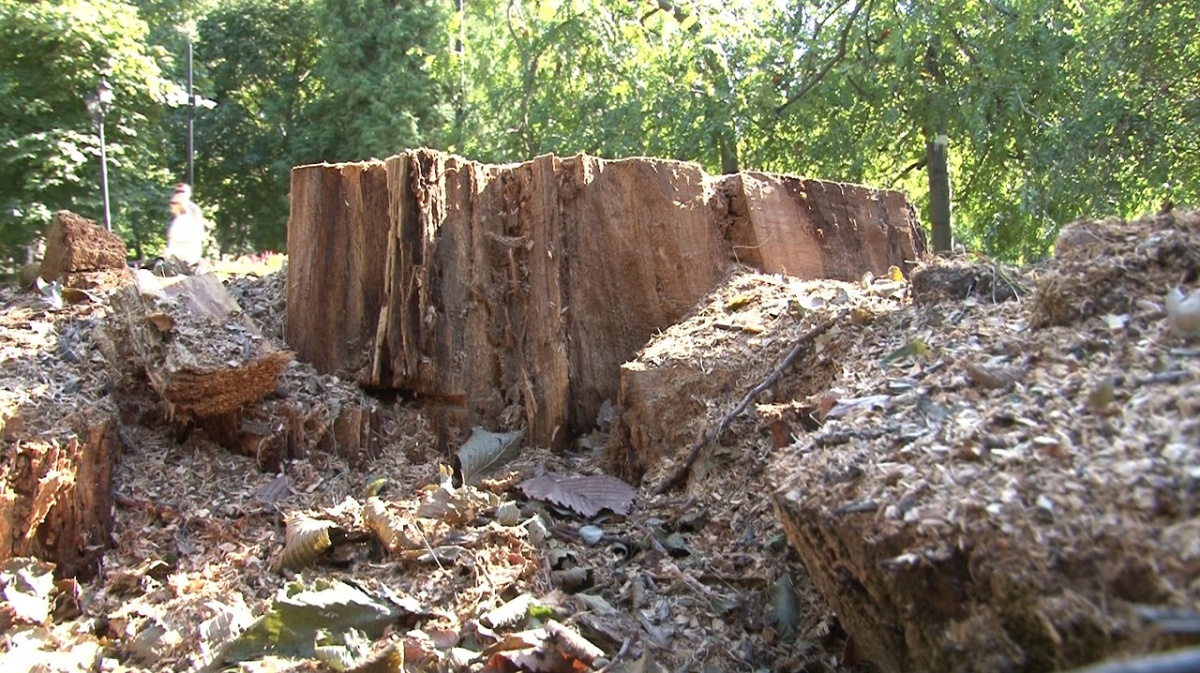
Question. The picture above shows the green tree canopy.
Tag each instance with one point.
(1050, 110)
(54, 55)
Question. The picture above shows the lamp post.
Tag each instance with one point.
(98, 105)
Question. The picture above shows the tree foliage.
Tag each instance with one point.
(1051, 110)
(54, 55)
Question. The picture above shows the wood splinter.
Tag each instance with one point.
(679, 475)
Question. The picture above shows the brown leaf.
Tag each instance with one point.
(585, 496)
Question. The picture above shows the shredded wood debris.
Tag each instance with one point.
(199, 535)
(1051, 451)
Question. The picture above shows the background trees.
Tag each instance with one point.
(1049, 110)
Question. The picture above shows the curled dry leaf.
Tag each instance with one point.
(573, 580)
(508, 614)
(387, 526)
(306, 539)
(570, 642)
(484, 452)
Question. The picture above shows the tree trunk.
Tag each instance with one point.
(509, 295)
(937, 152)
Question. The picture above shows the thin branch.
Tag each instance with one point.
(820, 25)
(674, 10)
(837, 58)
(680, 474)
(914, 166)
(858, 88)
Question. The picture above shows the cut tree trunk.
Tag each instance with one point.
(203, 356)
(55, 496)
(937, 153)
(510, 295)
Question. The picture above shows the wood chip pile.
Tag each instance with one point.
(492, 577)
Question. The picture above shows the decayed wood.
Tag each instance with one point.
(78, 249)
(512, 294)
(816, 228)
(337, 244)
(55, 496)
(202, 355)
(679, 474)
(277, 430)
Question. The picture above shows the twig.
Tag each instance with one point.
(834, 60)
(916, 165)
(681, 472)
(429, 548)
(616, 658)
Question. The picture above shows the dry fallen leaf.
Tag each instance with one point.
(586, 496)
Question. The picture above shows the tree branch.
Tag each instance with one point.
(837, 58)
(914, 166)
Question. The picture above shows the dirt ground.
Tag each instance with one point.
(483, 577)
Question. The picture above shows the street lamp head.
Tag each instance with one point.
(104, 93)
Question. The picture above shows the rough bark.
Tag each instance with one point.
(202, 355)
(55, 496)
(337, 244)
(510, 295)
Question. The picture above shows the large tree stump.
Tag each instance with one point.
(510, 294)
(202, 355)
(340, 213)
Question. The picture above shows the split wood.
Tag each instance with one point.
(678, 476)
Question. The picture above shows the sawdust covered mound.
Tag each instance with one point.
(1109, 266)
(1012, 493)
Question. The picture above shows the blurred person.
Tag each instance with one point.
(186, 233)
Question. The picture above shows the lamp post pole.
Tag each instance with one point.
(191, 118)
(104, 174)
(99, 105)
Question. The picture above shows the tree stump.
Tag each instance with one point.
(510, 295)
(55, 496)
(83, 254)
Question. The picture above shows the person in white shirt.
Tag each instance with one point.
(186, 233)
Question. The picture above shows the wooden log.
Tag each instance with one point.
(55, 496)
(202, 355)
(512, 294)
